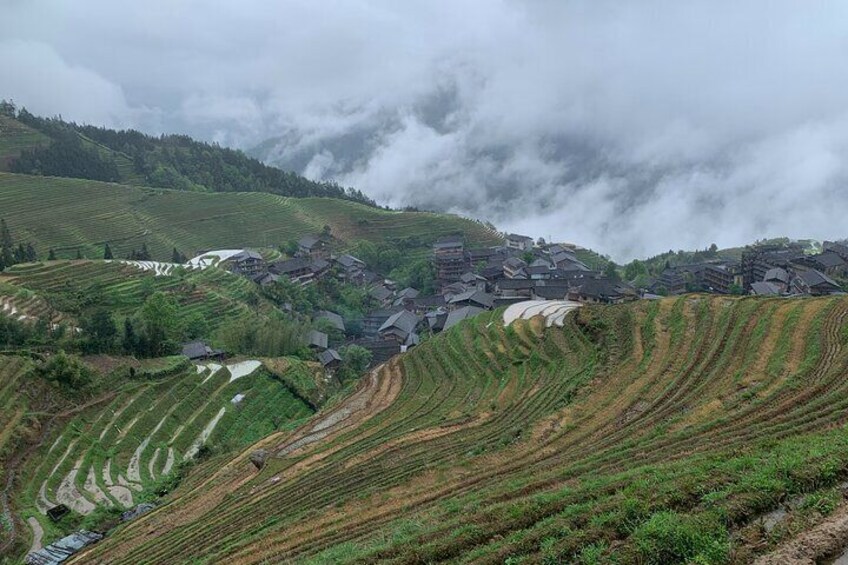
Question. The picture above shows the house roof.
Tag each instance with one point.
(309, 241)
(370, 276)
(470, 277)
(403, 320)
(518, 237)
(59, 551)
(319, 265)
(382, 314)
(541, 263)
(514, 263)
(604, 288)
(408, 292)
(816, 278)
(196, 350)
(554, 283)
(290, 265)
(461, 314)
(329, 356)
(479, 297)
(316, 339)
(331, 317)
(436, 320)
(539, 270)
(380, 293)
(777, 274)
(515, 284)
(765, 288)
(246, 254)
(348, 261)
(479, 253)
(448, 242)
(551, 292)
(568, 260)
(491, 272)
(429, 301)
(838, 247)
(264, 278)
(828, 259)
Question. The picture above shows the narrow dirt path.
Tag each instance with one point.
(813, 546)
(37, 534)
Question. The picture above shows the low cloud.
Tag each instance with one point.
(630, 127)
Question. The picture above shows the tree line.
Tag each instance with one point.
(168, 161)
(11, 254)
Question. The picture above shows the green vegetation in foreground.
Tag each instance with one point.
(95, 213)
(129, 432)
(652, 432)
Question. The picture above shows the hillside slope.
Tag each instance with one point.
(15, 138)
(127, 435)
(50, 146)
(653, 432)
(71, 214)
(63, 291)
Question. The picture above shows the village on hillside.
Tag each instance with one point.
(468, 281)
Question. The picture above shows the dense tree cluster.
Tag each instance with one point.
(16, 333)
(657, 264)
(168, 161)
(11, 254)
(67, 156)
(66, 370)
(142, 254)
(355, 361)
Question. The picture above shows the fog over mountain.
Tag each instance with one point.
(631, 127)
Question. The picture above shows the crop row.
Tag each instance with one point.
(113, 452)
(126, 217)
(531, 431)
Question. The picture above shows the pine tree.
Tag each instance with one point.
(7, 257)
(107, 252)
(79, 254)
(51, 255)
(7, 252)
(130, 341)
(177, 257)
(20, 253)
(144, 254)
(5, 235)
(31, 255)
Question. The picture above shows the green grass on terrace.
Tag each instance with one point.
(70, 214)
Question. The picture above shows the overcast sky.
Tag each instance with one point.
(630, 127)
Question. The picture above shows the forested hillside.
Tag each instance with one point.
(50, 146)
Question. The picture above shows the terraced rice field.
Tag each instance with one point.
(12, 408)
(653, 432)
(60, 290)
(113, 453)
(94, 213)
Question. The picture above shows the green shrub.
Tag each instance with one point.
(66, 370)
(669, 537)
